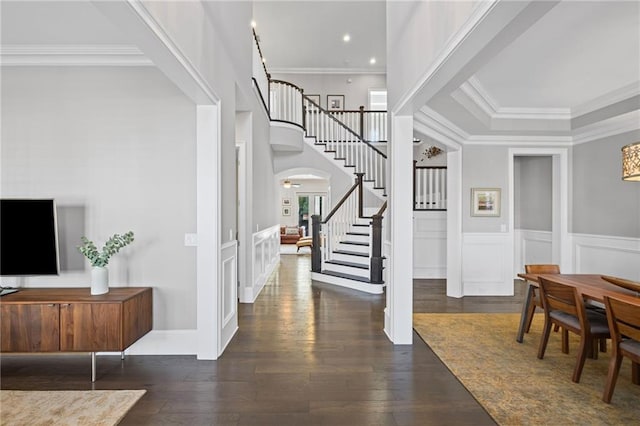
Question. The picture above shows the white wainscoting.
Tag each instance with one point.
(265, 255)
(487, 264)
(429, 244)
(228, 294)
(531, 247)
(606, 255)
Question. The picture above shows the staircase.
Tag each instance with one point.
(347, 243)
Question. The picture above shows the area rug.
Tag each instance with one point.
(101, 407)
(513, 385)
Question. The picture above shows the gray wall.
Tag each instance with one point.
(265, 194)
(533, 193)
(118, 142)
(484, 167)
(604, 204)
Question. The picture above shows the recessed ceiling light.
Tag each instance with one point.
(253, 24)
(346, 38)
(372, 61)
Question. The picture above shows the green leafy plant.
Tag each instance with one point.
(111, 247)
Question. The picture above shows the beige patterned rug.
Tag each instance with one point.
(101, 407)
(517, 388)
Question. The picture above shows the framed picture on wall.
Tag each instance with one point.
(485, 202)
(286, 201)
(286, 211)
(335, 102)
(315, 99)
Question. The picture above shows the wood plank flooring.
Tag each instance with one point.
(304, 355)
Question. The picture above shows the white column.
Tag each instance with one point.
(454, 224)
(208, 257)
(399, 310)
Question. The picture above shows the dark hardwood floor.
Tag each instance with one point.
(304, 355)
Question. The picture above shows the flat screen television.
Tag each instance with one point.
(28, 237)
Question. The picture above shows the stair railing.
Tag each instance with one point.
(345, 143)
(371, 126)
(429, 187)
(260, 75)
(285, 102)
(328, 233)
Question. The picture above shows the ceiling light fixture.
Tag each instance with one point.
(253, 24)
(631, 162)
(372, 61)
(346, 38)
(286, 184)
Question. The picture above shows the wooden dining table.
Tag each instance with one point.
(590, 286)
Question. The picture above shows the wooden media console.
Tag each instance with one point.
(72, 320)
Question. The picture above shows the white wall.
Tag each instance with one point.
(121, 143)
(417, 31)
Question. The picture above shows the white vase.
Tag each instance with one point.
(99, 280)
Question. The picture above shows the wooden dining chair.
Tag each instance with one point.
(535, 297)
(624, 323)
(564, 306)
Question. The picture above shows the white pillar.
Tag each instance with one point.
(208, 255)
(399, 310)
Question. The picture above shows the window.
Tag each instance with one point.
(377, 99)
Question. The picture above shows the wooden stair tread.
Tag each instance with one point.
(347, 276)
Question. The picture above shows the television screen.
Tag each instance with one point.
(28, 237)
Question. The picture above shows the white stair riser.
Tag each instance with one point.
(352, 247)
(349, 258)
(347, 270)
(342, 282)
(357, 238)
(362, 221)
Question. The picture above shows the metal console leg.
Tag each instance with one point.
(93, 366)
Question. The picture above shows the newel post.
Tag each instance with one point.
(316, 254)
(376, 249)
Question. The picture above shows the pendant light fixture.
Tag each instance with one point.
(631, 162)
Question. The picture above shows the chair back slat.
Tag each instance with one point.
(625, 318)
(560, 297)
(542, 269)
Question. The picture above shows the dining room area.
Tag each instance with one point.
(564, 349)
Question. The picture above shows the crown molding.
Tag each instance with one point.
(475, 92)
(327, 71)
(624, 92)
(72, 55)
(614, 126)
(435, 126)
(519, 140)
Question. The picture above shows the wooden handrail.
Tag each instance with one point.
(255, 38)
(429, 167)
(382, 209)
(286, 83)
(266, 107)
(341, 124)
(345, 197)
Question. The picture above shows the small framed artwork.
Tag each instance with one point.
(335, 102)
(485, 202)
(315, 99)
(286, 211)
(286, 201)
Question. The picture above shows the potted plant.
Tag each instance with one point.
(100, 259)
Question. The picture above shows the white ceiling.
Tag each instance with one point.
(306, 36)
(575, 68)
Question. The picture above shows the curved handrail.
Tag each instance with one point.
(273, 80)
(382, 209)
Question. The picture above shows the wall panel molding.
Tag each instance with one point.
(607, 255)
(265, 256)
(486, 264)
